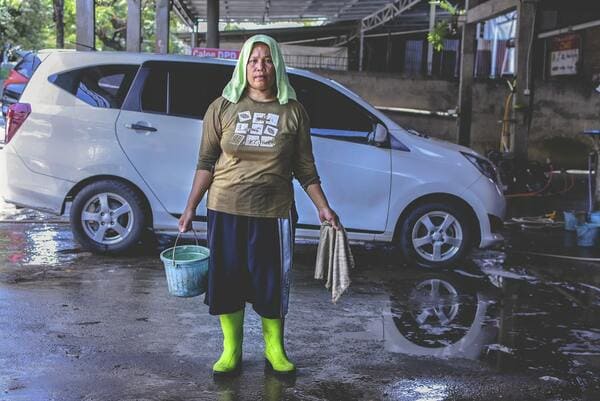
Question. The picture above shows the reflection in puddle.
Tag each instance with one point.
(438, 317)
(514, 319)
(418, 390)
(231, 389)
(43, 245)
(13, 246)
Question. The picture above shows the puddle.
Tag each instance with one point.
(44, 245)
(509, 317)
(418, 390)
(440, 315)
(44, 240)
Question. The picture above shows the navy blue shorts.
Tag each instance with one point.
(250, 261)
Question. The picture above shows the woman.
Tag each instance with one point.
(255, 139)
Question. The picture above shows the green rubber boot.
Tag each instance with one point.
(276, 359)
(230, 361)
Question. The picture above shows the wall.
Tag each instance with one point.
(389, 90)
(561, 110)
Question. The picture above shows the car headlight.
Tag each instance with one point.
(485, 166)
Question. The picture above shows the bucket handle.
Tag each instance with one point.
(177, 239)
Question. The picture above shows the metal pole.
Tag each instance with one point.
(388, 52)
(212, 31)
(361, 50)
(194, 42)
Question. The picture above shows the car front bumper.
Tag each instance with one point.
(489, 205)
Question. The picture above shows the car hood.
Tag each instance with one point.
(431, 145)
(451, 146)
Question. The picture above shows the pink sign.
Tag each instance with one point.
(218, 53)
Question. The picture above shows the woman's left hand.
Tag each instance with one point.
(327, 214)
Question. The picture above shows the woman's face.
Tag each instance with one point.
(260, 71)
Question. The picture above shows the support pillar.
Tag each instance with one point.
(429, 45)
(162, 26)
(212, 31)
(522, 101)
(86, 22)
(134, 25)
(465, 94)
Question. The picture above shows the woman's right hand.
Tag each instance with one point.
(185, 221)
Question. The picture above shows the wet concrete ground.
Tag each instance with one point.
(503, 325)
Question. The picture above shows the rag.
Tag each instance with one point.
(335, 258)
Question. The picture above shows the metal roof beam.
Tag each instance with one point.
(377, 12)
(385, 14)
(306, 7)
(184, 13)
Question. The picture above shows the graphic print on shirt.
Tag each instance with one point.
(258, 129)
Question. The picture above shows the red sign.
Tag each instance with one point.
(216, 53)
(564, 54)
(565, 42)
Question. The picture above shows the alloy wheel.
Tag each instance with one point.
(437, 236)
(107, 218)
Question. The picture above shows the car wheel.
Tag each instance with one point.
(435, 235)
(108, 217)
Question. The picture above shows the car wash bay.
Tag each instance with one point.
(503, 324)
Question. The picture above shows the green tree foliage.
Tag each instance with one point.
(29, 23)
(149, 27)
(69, 25)
(24, 23)
(443, 29)
(111, 24)
(230, 26)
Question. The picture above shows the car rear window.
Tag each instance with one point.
(178, 88)
(103, 86)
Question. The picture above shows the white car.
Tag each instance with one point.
(113, 138)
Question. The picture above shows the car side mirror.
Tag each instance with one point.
(379, 135)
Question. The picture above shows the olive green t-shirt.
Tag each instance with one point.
(254, 149)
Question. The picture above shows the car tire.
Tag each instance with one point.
(436, 235)
(108, 217)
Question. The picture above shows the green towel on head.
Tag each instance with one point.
(234, 89)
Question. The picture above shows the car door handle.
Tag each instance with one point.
(140, 127)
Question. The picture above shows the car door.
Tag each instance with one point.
(160, 126)
(355, 173)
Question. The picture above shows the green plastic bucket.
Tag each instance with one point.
(186, 268)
